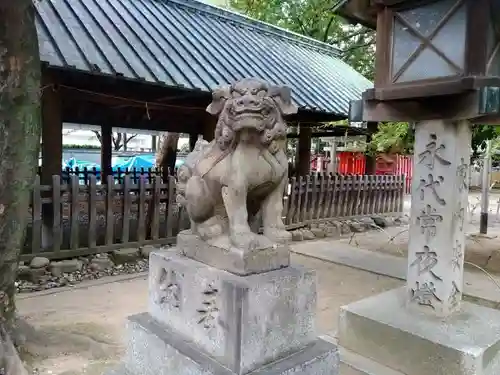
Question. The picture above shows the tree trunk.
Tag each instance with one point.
(19, 148)
(167, 152)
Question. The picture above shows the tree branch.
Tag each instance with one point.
(98, 135)
(130, 138)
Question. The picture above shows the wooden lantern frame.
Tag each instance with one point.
(477, 59)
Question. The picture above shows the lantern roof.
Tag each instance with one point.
(364, 12)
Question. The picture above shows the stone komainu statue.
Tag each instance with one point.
(243, 171)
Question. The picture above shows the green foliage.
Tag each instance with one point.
(392, 137)
(482, 133)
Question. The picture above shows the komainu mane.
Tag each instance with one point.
(243, 171)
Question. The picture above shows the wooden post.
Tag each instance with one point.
(371, 160)
(154, 143)
(304, 151)
(106, 152)
(193, 137)
(52, 139)
(209, 128)
(52, 127)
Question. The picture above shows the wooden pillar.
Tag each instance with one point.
(371, 159)
(52, 138)
(52, 142)
(106, 152)
(303, 161)
(193, 137)
(154, 143)
(209, 128)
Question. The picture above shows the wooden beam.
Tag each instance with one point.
(456, 107)
(131, 118)
(328, 134)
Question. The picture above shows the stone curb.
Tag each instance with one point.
(341, 228)
(84, 285)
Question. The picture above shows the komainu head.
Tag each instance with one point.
(251, 109)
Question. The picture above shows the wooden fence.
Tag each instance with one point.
(319, 198)
(88, 219)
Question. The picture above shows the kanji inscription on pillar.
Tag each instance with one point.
(440, 188)
(429, 219)
(433, 153)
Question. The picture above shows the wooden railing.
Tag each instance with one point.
(71, 219)
(324, 197)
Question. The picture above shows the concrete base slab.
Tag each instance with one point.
(154, 349)
(221, 254)
(382, 329)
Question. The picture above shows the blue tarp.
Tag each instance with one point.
(137, 162)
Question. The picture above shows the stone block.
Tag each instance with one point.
(101, 264)
(243, 322)
(154, 349)
(367, 222)
(318, 233)
(381, 328)
(146, 250)
(380, 221)
(308, 235)
(39, 262)
(123, 256)
(33, 275)
(223, 255)
(297, 235)
(65, 266)
(356, 227)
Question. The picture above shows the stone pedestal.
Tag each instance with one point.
(203, 320)
(383, 329)
(220, 253)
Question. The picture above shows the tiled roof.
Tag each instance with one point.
(192, 45)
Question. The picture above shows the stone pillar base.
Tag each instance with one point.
(203, 320)
(154, 349)
(381, 328)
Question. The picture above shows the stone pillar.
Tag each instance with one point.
(438, 211)
(332, 166)
(303, 162)
(319, 164)
(424, 327)
(106, 151)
